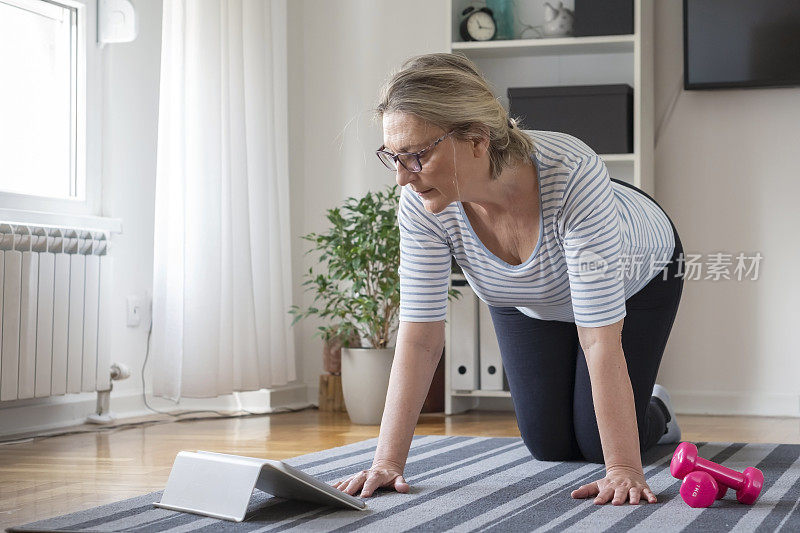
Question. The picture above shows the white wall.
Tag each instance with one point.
(129, 173)
(340, 52)
(727, 173)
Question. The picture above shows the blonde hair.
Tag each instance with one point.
(448, 91)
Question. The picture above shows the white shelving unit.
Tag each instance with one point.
(542, 47)
(568, 61)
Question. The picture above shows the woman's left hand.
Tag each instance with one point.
(619, 485)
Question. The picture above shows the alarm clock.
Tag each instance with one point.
(478, 24)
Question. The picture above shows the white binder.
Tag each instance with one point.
(490, 361)
(463, 341)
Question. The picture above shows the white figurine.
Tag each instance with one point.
(558, 21)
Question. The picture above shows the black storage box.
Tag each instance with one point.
(599, 115)
(603, 17)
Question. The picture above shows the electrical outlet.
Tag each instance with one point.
(134, 314)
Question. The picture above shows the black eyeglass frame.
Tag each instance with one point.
(417, 155)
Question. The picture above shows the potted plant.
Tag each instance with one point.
(357, 290)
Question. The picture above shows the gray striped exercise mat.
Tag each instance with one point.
(483, 484)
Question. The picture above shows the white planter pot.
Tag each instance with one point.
(365, 380)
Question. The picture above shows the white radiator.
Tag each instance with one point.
(55, 287)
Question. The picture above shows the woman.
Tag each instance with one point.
(570, 262)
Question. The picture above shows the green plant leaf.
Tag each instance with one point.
(358, 284)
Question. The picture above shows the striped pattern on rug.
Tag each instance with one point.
(483, 484)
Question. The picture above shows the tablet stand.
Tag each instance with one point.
(220, 485)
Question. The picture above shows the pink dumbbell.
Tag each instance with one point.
(699, 489)
(747, 485)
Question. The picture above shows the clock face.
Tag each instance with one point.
(481, 26)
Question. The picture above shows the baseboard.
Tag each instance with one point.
(292, 396)
(706, 403)
(56, 412)
(312, 393)
(490, 403)
(485, 404)
(735, 403)
(686, 402)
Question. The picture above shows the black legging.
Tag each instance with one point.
(549, 380)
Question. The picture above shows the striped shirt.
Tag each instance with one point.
(599, 243)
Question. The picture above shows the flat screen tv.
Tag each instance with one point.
(741, 43)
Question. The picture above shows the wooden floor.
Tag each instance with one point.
(53, 476)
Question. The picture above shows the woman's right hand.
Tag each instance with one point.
(376, 476)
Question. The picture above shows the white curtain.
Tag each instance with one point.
(222, 273)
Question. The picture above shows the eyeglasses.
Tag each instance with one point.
(409, 160)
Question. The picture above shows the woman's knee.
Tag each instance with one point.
(591, 448)
(587, 435)
(548, 446)
(591, 451)
(547, 451)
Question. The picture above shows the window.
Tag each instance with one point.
(48, 71)
(38, 101)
